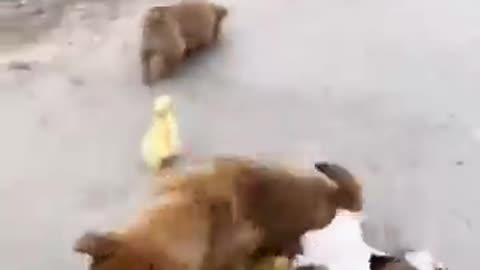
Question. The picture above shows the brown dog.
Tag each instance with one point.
(220, 217)
(163, 46)
(170, 33)
(200, 22)
(285, 206)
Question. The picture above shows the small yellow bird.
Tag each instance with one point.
(161, 141)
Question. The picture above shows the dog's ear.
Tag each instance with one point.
(96, 245)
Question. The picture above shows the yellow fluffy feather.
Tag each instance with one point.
(161, 141)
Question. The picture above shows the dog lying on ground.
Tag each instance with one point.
(170, 33)
(224, 217)
(340, 246)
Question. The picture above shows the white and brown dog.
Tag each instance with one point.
(340, 246)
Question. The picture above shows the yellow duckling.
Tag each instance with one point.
(161, 142)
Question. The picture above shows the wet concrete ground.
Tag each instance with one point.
(388, 88)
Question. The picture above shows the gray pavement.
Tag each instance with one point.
(388, 88)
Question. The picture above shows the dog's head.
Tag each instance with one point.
(110, 252)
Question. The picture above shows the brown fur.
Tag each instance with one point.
(173, 236)
(170, 33)
(218, 218)
(285, 205)
(257, 193)
(199, 22)
(162, 47)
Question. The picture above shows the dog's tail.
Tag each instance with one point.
(348, 194)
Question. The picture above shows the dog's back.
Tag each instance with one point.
(282, 203)
(199, 22)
